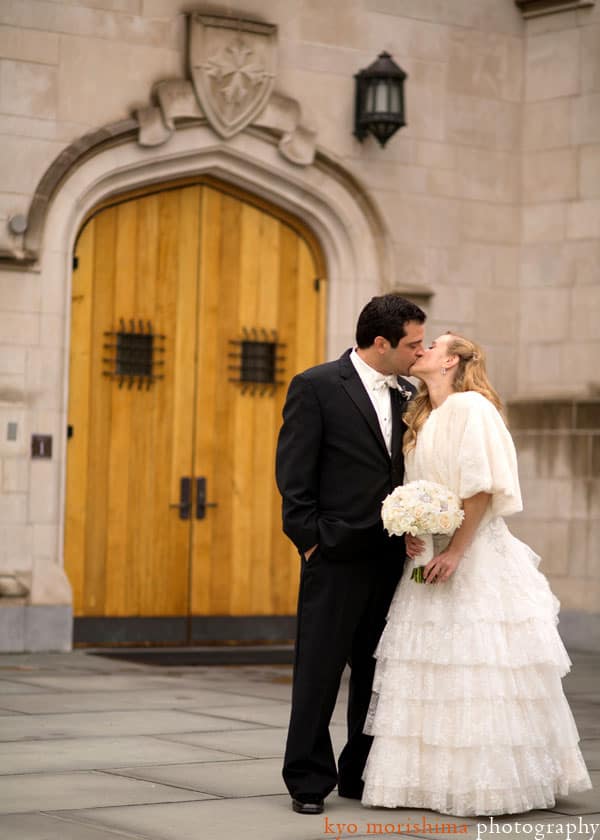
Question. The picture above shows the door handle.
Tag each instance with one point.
(201, 503)
(185, 498)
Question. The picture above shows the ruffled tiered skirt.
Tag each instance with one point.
(468, 713)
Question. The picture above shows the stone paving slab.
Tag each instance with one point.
(261, 691)
(295, 827)
(581, 680)
(272, 686)
(274, 714)
(226, 778)
(251, 818)
(275, 693)
(582, 803)
(254, 743)
(102, 753)
(86, 724)
(57, 791)
(588, 721)
(78, 658)
(233, 755)
(594, 699)
(181, 697)
(591, 752)
(52, 827)
(8, 687)
(91, 683)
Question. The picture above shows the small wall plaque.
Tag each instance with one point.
(41, 446)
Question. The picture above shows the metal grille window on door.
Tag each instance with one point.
(133, 354)
(257, 361)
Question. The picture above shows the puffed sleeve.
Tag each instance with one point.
(486, 460)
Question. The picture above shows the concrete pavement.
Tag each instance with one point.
(98, 749)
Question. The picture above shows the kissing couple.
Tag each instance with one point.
(455, 699)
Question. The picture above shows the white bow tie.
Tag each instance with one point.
(386, 382)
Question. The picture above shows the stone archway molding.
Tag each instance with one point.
(25, 249)
(232, 67)
(152, 126)
(177, 100)
(325, 196)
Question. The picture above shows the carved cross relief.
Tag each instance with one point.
(233, 66)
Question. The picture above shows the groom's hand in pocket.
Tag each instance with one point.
(310, 552)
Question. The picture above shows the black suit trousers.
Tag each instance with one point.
(342, 608)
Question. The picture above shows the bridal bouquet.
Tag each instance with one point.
(421, 508)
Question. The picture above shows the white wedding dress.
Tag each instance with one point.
(468, 713)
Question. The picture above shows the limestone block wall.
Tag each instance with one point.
(560, 281)
(491, 194)
(448, 184)
(65, 68)
(559, 466)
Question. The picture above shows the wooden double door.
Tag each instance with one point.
(187, 302)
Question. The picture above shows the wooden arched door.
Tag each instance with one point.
(187, 302)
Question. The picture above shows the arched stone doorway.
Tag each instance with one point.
(327, 199)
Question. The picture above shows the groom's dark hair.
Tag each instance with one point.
(386, 315)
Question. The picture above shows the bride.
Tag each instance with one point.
(467, 712)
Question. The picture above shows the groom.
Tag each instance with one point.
(339, 454)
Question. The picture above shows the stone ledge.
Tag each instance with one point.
(537, 8)
(568, 414)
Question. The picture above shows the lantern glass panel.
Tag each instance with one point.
(395, 106)
(371, 98)
(381, 97)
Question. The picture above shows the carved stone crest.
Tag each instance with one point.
(233, 66)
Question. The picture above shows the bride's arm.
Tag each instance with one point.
(443, 565)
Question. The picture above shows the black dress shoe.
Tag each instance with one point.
(308, 805)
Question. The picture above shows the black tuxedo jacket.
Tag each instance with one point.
(333, 469)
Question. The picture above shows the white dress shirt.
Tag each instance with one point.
(379, 394)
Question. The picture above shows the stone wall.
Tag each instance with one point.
(559, 466)
(491, 194)
(560, 297)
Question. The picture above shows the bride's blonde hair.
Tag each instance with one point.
(471, 375)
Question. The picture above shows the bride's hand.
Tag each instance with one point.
(414, 546)
(441, 567)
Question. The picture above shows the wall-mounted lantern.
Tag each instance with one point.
(379, 108)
